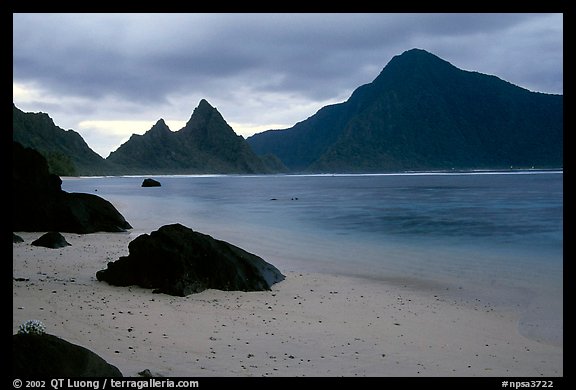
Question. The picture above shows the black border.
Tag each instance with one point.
(562, 6)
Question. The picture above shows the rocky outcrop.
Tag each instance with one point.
(52, 240)
(66, 151)
(46, 355)
(422, 113)
(151, 183)
(88, 213)
(206, 144)
(179, 261)
(39, 204)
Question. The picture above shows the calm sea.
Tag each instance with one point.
(492, 237)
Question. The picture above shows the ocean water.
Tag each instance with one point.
(495, 238)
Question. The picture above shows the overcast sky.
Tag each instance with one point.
(110, 75)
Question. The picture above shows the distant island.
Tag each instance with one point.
(420, 113)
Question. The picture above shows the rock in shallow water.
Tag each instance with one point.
(151, 183)
(179, 261)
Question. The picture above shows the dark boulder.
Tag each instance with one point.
(151, 183)
(39, 204)
(88, 213)
(179, 261)
(46, 355)
(51, 240)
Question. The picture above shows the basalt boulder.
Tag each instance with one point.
(52, 240)
(151, 183)
(178, 261)
(39, 203)
(46, 355)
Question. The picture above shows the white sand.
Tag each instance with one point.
(308, 325)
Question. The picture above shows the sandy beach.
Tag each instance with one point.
(308, 325)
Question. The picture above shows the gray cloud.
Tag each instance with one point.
(257, 68)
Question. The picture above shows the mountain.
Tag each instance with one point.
(65, 150)
(423, 113)
(206, 144)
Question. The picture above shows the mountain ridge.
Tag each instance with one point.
(420, 113)
(423, 113)
(206, 144)
(65, 150)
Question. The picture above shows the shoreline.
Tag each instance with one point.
(518, 171)
(311, 324)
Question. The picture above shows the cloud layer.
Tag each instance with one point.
(260, 70)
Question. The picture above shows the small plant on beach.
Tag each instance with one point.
(32, 327)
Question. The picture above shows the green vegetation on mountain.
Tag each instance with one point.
(65, 150)
(206, 144)
(422, 113)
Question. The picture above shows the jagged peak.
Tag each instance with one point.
(203, 110)
(160, 128)
(204, 104)
(160, 124)
(203, 107)
(202, 114)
